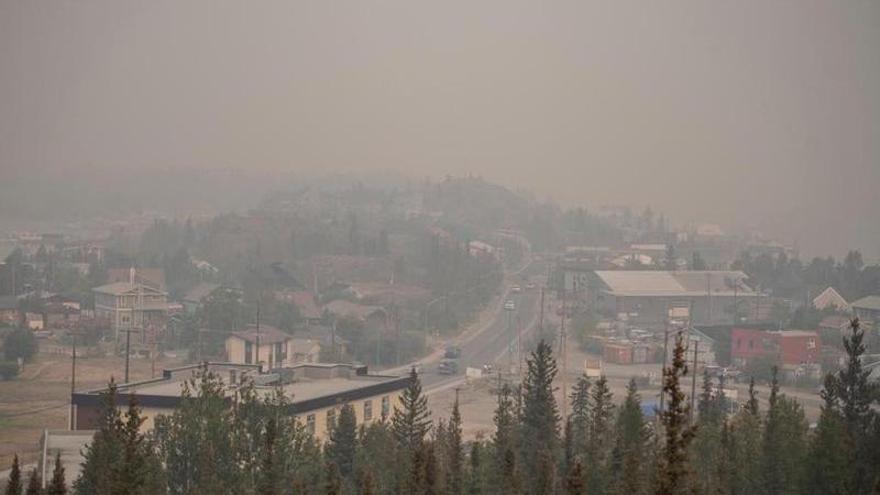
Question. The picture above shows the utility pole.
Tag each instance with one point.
(73, 381)
(259, 363)
(665, 357)
(709, 296)
(694, 380)
(564, 358)
(127, 351)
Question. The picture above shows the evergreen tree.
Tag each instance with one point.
(377, 452)
(575, 484)
(706, 449)
(333, 482)
(510, 477)
(269, 482)
(856, 393)
(13, 485)
(342, 445)
(138, 470)
(673, 474)
(453, 446)
(366, 485)
(580, 415)
(57, 485)
(745, 448)
(828, 470)
(540, 421)
(475, 479)
(104, 450)
(34, 486)
(600, 437)
(784, 442)
(545, 482)
(631, 444)
(411, 423)
(502, 439)
(431, 480)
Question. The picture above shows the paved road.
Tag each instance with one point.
(493, 343)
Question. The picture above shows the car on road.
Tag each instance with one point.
(516, 289)
(509, 305)
(531, 286)
(488, 369)
(448, 367)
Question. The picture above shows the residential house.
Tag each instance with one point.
(304, 302)
(263, 344)
(150, 277)
(836, 323)
(867, 309)
(317, 393)
(195, 297)
(831, 299)
(131, 306)
(305, 350)
(372, 316)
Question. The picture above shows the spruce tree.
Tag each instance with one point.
(510, 477)
(673, 475)
(745, 448)
(34, 486)
(138, 470)
(580, 415)
(13, 485)
(376, 453)
(332, 483)
(752, 404)
(575, 484)
(784, 443)
(431, 481)
(540, 421)
(104, 450)
(502, 439)
(475, 480)
(269, 483)
(454, 453)
(342, 445)
(545, 482)
(57, 485)
(412, 422)
(600, 437)
(828, 470)
(706, 448)
(856, 393)
(630, 445)
(366, 484)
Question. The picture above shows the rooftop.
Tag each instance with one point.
(120, 288)
(642, 283)
(309, 385)
(267, 334)
(867, 302)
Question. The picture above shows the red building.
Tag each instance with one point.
(789, 347)
(618, 353)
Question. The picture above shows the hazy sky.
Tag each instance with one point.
(758, 113)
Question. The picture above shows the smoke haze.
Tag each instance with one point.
(751, 114)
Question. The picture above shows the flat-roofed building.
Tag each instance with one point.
(646, 296)
(317, 392)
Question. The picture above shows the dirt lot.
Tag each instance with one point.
(39, 398)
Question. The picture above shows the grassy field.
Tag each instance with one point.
(39, 398)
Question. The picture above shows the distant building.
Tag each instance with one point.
(131, 306)
(194, 298)
(646, 296)
(791, 349)
(264, 345)
(150, 277)
(867, 309)
(317, 392)
(305, 304)
(34, 321)
(9, 313)
(831, 299)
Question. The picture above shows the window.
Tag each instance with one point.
(386, 406)
(368, 410)
(125, 319)
(310, 423)
(331, 419)
(811, 344)
(751, 344)
(280, 352)
(248, 353)
(738, 343)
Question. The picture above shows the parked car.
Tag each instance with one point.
(509, 305)
(516, 289)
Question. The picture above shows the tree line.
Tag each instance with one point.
(248, 444)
